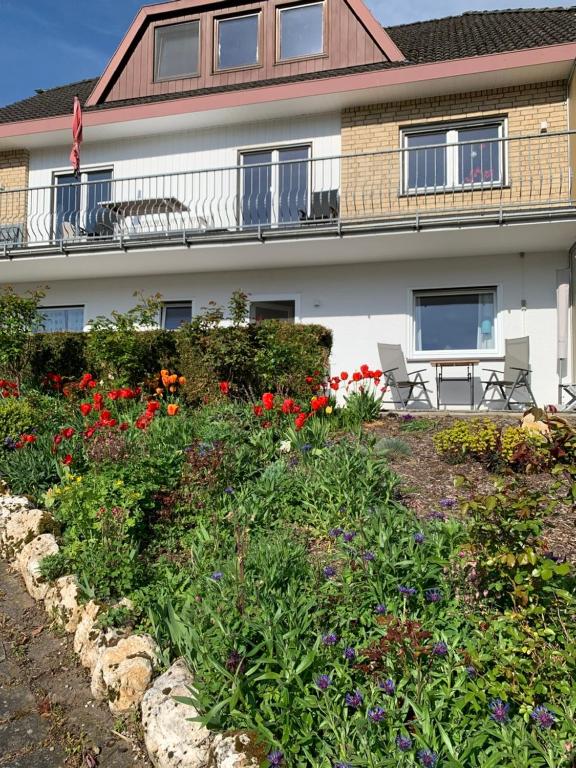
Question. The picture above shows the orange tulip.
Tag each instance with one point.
(173, 409)
(164, 372)
(159, 390)
(173, 378)
(173, 389)
(182, 380)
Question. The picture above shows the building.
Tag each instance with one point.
(411, 184)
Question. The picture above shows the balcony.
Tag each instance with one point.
(497, 181)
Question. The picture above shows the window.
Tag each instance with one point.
(176, 50)
(455, 321)
(454, 157)
(62, 319)
(272, 310)
(274, 186)
(300, 31)
(237, 42)
(175, 313)
(78, 205)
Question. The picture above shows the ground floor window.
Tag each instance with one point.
(62, 319)
(272, 310)
(175, 314)
(459, 320)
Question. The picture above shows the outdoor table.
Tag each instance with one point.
(150, 206)
(441, 377)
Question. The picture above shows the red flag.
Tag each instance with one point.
(77, 136)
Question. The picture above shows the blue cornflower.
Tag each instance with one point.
(343, 765)
(276, 757)
(335, 533)
(349, 654)
(349, 536)
(543, 718)
(447, 503)
(368, 556)
(330, 639)
(229, 490)
(329, 571)
(354, 700)
(419, 537)
(387, 686)
(306, 447)
(404, 743)
(440, 649)
(436, 516)
(433, 595)
(380, 609)
(217, 576)
(472, 672)
(323, 682)
(9, 443)
(377, 714)
(427, 758)
(499, 711)
(408, 591)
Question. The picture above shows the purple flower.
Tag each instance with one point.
(368, 556)
(354, 700)
(437, 516)
(427, 758)
(408, 591)
(440, 649)
(330, 639)
(349, 654)
(235, 663)
(447, 503)
(408, 417)
(472, 672)
(419, 538)
(349, 536)
(229, 490)
(9, 444)
(276, 757)
(404, 743)
(306, 447)
(377, 714)
(380, 609)
(387, 686)
(543, 718)
(499, 711)
(329, 571)
(433, 595)
(217, 576)
(323, 682)
(342, 765)
(335, 533)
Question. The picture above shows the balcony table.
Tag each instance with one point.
(440, 377)
(149, 206)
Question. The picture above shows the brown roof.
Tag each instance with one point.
(475, 33)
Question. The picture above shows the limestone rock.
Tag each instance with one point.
(21, 526)
(87, 635)
(14, 503)
(238, 750)
(61, 602)
(123, 672)
(171, 739)
(28, 563)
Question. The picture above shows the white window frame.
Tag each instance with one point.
(279, 10)
(295, 297)
(452, 159)
(174, 303)
(168, 78)
(275, 177)
(61, 307)
(217, 21)
(455, 354)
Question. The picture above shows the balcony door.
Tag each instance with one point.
(77, 205)
(274, 186)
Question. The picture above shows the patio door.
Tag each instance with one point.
(274, 186)
(77, 205)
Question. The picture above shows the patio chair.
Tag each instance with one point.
(516, 375)
(396, 376)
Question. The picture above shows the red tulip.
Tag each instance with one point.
(67, 460)
(85, 409)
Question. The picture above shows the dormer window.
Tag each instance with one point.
(300, 31)
(237, 42)
(176, 51)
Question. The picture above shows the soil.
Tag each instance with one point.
(427, 479)
(48, 718)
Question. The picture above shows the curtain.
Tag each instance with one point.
(486, 320)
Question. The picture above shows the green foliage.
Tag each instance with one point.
(17, 415)
(417, 424)
(62, 353)
(19, 317)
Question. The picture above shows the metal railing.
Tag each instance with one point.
(530, 175)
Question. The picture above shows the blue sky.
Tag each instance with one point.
(51, 42)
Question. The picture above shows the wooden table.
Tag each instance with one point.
(441, 377)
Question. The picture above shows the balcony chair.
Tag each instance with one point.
(11, 233)
(324, 206)
(396, 376)
(515, 377)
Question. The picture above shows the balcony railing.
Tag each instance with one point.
(527, 176)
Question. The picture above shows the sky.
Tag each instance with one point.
(51, 42)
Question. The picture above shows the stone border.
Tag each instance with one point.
(122, 666)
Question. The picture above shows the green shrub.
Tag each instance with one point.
(16, 416)
(19, 317)
(61, 353)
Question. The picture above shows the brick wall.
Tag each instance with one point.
(537, 170)
(13, 176)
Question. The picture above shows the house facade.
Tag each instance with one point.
(409, 185)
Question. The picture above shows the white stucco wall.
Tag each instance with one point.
(367, 303)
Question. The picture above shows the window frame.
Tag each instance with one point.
(278, 34)
(451, 130)
(455, 354)
(83, 181)
(155, 78)
(254, 298)
(174, 303)
(216, 45)
(61, 307)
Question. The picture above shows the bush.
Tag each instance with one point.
(19, 317)
(62, 353)
(16, 417)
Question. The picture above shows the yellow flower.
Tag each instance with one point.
(329, 410)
